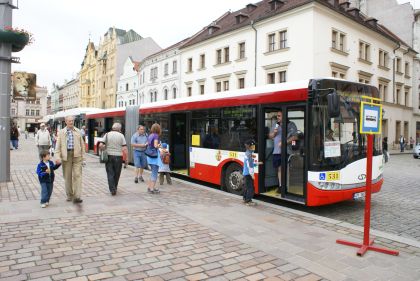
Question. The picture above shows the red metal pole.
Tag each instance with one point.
(369, 157)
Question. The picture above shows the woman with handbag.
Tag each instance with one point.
(152, 153)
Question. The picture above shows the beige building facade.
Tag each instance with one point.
(87, 78)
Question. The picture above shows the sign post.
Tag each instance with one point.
(370, 124)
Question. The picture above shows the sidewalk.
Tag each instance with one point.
(188, 232)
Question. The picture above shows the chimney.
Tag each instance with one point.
(372, 22)
(250, 7)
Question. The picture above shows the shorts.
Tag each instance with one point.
(154, 174)
(276, 160)
(140, 159)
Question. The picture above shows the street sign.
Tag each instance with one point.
(370, 118)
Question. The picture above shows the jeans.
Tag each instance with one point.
(154, 174)
(162, 177)
(113, 171)
(46, 191)
(248, 188)
(15, 144)
(402, 147)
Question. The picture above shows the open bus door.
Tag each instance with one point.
(287, 181)
(179, 144)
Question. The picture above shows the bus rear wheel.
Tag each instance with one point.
(234, 179)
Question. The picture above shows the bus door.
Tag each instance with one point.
(91, 133)
(283, 174)
(293, 166)
(179, 146)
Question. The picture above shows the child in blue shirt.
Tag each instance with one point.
(248, 172)
(45, 171)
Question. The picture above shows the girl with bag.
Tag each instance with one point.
(152, 153)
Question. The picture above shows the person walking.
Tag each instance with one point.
(412, 142)
(43, 139)
(70, 151)
(385, 148)
(152, 153)
(45, 172)
(114, 143)
(163, 161)
(402, 143)
(139, 144)
(14, 137)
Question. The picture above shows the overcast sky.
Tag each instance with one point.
(61, 28)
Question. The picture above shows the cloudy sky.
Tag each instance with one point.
(62, 28)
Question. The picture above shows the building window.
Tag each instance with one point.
(271, 42)
(398, 96)
(226, 85)
(364, 79)
(174, 93)
(282, 76)
(271, 78)
(104, 84)
(166, 69)
(190, 65)
(189, 91)
(283, 39)
(241, 47)
(406, 100)
(126, 86)
(407, 69)
(338, 74)
(13, 112)
(241, 83)
(227, 54)
(174, 67)
(383, 58)
(202, 89)
(218, 86)
(37, 113)
(202, 61)
(398, 64)
(32, 112)
(383, 90)
(364, 51)
(338, 40)
(218, 56)
(165, 94)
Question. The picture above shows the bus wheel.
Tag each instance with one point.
(234, 179)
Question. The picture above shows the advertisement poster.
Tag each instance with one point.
(24, 85)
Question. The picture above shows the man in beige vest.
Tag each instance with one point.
(69, 151)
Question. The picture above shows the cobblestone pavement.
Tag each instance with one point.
(185, 233)
(395, 209)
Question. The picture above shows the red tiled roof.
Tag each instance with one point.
(262, 10)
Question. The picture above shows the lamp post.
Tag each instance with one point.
(6, 59)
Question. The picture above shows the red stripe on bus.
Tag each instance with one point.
(118, 113)
(318, 197)
(218, 101)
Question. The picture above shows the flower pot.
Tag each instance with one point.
(18, 40)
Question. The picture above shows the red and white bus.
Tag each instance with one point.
(323, 163)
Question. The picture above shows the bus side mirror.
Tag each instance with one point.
(333, 104)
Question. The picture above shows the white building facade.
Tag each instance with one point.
(282, 47)
(160, 75)
(70, 92)
(55, 99)
(128, 84)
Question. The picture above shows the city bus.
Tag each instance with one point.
(324, 161)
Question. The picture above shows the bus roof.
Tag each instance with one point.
(76, 111)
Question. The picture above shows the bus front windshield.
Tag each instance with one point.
(336, 142)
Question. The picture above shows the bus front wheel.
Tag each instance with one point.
(234, 179)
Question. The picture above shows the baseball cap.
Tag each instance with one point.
(164, 145)
(250, 142)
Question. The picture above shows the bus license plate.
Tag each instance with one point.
(359, 195)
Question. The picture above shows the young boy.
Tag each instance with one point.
(248, 172)
(45, 171)
(164, 169)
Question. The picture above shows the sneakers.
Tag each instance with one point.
(69, 199)
(141, 179)
(136, 180)
(150, 191)
(250, 203)
(156, 191)
(43, 205)
(113, 193)
(77, 200)
(48, 203)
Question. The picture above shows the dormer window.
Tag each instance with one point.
(213, 28)
(250, 7)
(241, 17)
(275, 4)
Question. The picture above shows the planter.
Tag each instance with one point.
(18, 40)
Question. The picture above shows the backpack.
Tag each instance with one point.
(165, 157)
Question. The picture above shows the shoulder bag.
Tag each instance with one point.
(103, 155)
